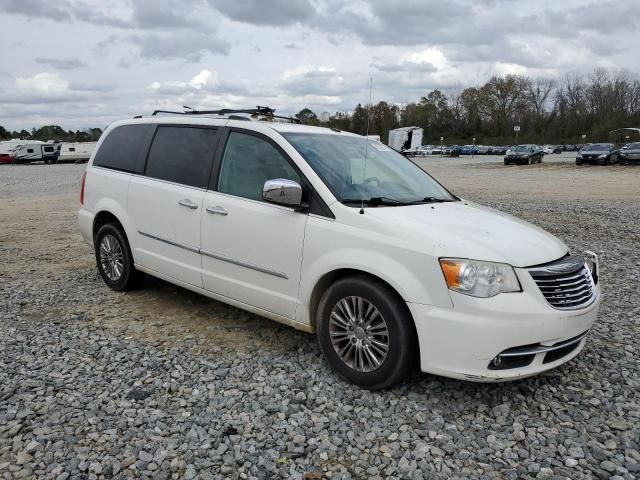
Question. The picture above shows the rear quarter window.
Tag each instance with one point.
(122, 149)
(182, 154)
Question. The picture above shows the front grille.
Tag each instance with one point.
(566, 284)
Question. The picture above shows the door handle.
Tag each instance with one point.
(217, 210)
(188, 203)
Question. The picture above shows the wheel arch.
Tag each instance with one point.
(329, 278)
(105, 216)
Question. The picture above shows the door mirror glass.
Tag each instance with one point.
(282, 192)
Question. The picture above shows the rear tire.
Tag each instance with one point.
(114, 259)
(366, 332)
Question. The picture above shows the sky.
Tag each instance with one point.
(82, 64)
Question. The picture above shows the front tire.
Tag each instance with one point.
(366, 332)
(114, 259)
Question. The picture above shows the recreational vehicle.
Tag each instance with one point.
(76, 152)
(406, 139)
(29, 151)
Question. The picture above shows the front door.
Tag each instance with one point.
(252, 250)
(165, 203)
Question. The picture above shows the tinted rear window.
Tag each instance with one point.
(121, 149)
(182, 155)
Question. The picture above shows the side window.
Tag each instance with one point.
(248, 162)
(182, 155)
(121, 149)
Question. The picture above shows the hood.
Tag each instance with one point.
(594, 152)
(467, 230)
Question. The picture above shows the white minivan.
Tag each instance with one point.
(334, 233)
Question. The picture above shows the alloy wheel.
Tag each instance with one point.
(111, 257)
(359, 334)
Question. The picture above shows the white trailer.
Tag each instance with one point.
(28, 151)
(406, 139)
(76, 152)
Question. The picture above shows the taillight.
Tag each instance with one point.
(84, 178)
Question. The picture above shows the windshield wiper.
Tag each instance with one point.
(433, 200)
(376, 201)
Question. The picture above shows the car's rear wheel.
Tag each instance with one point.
(114, 259)
(366, 333)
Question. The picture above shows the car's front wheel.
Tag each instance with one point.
(366, 333)
(114, 259)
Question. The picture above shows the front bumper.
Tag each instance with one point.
(461, 342)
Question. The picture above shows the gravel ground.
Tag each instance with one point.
(164, 383)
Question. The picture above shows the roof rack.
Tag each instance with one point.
(258, 111)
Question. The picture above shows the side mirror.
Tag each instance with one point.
(283, 192)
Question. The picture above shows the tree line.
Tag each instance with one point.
(548, 110)
(53, 132)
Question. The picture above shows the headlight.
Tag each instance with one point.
(479, 279)
(604, 155)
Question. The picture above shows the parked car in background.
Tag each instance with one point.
(569, 148)
(6, 152)
(630, 153)
(598, 154)
(7, 158)
(557, 149)
(452, 150)
(482, 149)
(497, 150)
(383, 263)
(524, 154)
(469, 150)
(547, 149)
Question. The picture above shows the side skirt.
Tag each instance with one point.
(230, 301)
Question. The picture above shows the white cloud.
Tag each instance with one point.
(43, 83)
(204, 80)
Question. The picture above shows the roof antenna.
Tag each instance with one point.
(366, 145)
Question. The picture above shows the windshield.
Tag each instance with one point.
(340, 161)
(634, 146)
(596, 147)
(523, 148)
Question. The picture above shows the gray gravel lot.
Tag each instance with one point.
(163, 383)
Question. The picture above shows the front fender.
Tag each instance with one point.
(414, 275)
